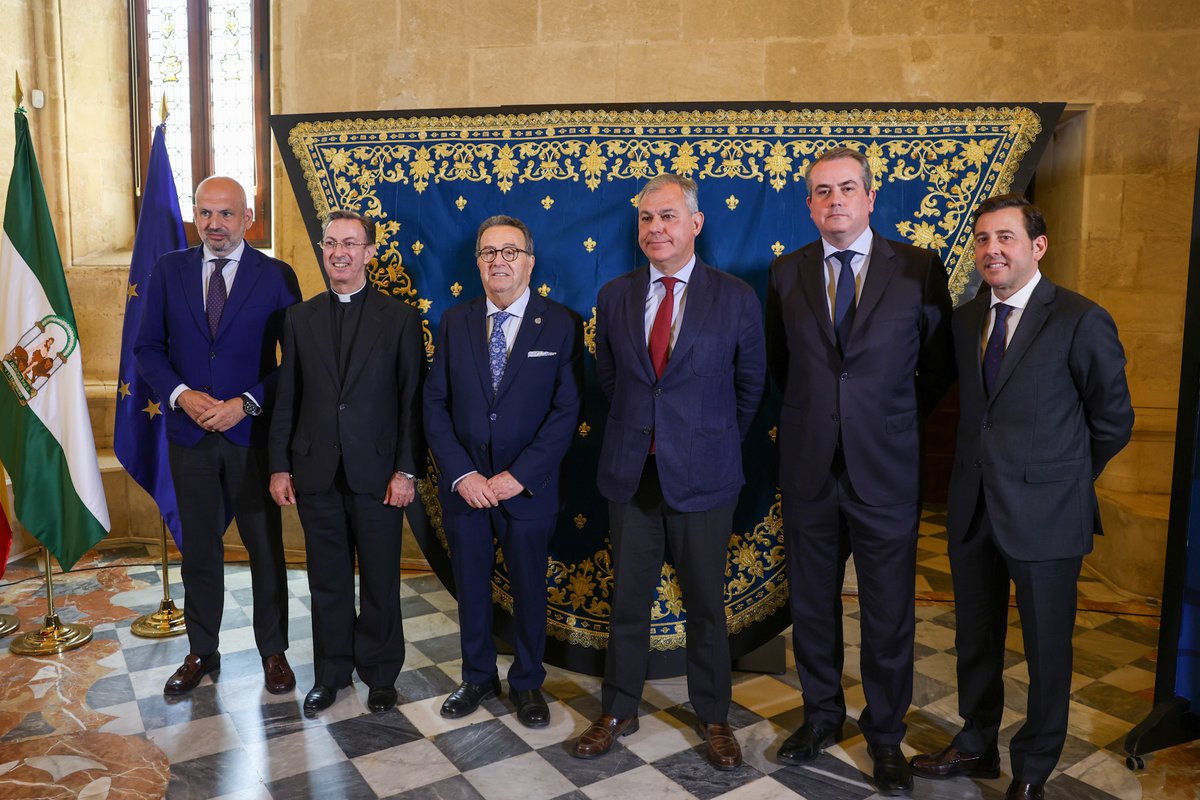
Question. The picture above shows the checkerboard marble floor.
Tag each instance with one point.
(231, 739)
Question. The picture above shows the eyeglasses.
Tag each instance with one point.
(334, 244)
(488, 254)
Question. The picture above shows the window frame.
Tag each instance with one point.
(143, 118)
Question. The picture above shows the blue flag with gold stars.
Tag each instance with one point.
(139, 435)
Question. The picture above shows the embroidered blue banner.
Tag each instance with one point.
(572, 174)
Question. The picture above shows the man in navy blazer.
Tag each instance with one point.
(681, 358)
(501, 404)
(1044, 407)
(859, 334)
(208, 348)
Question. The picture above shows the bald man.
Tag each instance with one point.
(207, 345)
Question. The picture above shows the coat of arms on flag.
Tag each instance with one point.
(41, 351)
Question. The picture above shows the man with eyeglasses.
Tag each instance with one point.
(207, 345)
(501, 405)
(345, 440)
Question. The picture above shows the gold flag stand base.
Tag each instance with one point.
(167, 621)
(8, 624)
(55, 636)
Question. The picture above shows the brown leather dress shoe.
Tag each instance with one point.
(1024, 791)
(722, 749)
(599, 737)
(277, 675)
(188, 676)
(952, 762)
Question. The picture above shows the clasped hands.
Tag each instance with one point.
(481, 492)
(210, 413)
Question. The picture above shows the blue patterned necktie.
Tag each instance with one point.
(843, 299)
(993, 355)
(215, 304)
(497, 348)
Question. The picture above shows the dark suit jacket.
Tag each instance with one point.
(1059, 411)
(372, 420)
(527, 427)
(173, 344)
(896, 367)
(701, 409)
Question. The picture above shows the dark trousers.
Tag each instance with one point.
(339, 524)
(525, 544)
(1046, 600)
(212, 479)
(819, 535)
(640, 532)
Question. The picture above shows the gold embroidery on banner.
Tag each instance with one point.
(580, 520)
(456, 288)
(584, 429)
(777, 248)
(731, 202)
(947, 151)
(589, 333)
(589, 244)
(544, 289)
(547, 202)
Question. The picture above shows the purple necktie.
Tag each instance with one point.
(215, 302)
(993, 355)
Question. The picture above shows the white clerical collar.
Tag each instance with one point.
(234, 256)
(683, 275)
(515, 309)
(1020, 298)
(346, 298)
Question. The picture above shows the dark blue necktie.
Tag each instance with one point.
(498, 348)
(993, 355)
(215, 303)
(843, 299)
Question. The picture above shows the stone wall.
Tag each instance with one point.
(1117, 183)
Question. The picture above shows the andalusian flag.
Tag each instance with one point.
(45, 432)
(6, 534)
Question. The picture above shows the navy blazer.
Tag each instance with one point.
(527, 427)
(897, 365)
(174, 346)
(1059, 410)
(371, 421)
(700, 410)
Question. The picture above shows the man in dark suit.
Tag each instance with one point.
(1044, 406)
(681, 358)
(207, 346)
(345, 438)
(501, 406)
(858, 329)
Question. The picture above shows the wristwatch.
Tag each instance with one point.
(251, 408)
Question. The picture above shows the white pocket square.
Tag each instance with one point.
(541, 353)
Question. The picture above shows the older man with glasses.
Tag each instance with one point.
(501, 405)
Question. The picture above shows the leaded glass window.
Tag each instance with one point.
(207, 58)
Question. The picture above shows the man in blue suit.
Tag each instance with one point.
(859, 333)
(501, 404)
(207, 344)
(681, 358)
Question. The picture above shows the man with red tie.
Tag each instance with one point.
(681, 357)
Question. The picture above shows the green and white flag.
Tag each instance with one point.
(45, 433)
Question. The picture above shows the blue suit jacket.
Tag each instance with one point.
(174, 346)
(527, 427)
(701, 408)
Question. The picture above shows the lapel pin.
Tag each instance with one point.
(537, 320)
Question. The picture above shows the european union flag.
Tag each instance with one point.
(139, 435)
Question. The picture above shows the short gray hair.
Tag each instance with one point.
(691, 192)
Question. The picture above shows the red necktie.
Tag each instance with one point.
(660, 331)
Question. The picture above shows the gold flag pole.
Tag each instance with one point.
(8, 624)
(55, 636)
(168, 620)
(19, 94)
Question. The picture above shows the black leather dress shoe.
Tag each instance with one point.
(807, 743)
(381, 698)
(532, 710)
(467, 697)
(193, 668)
(319, 698)
(1025, 791)
(891, 774)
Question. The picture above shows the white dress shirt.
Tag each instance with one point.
(656, 292)
(1017, 303)
(858, 265)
